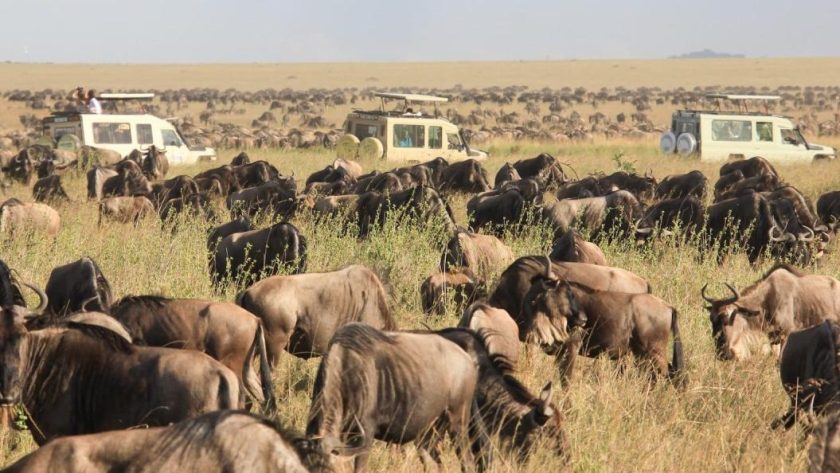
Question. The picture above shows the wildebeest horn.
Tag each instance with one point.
(548, 274)
(802, 236)
(41, 295)
(88, 301)
(777, 235)
(735, 296)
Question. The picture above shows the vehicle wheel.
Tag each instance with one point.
(371, 148)
(823, 158)
(69, 142)
(668, 142)
(347, 147)
(45, 141)
(686, 144)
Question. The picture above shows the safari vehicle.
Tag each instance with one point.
(718, 135)
(122, 132)
(403, 134)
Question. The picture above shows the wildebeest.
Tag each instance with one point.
(384, 182)
(178, 186)
(240, 159)
(96, 178)
(404, 387)
(612, 323)
(49, 189)
(17, 217)
(125, 209)
(237, 225)
(762, 183)
(78, 286)
(301, 312)
(529, 188)
(516, 281)
(20, 168)
(679, 186)
(824, 452)
(828, 209)
(755, 166)
(642, 187)
(783, 300)
(483, 254)
(211, 186)
(129, 181)
(463, 286)
(506, 173)
(572, 248)
(496, 211)
(10, 293)
(544, 168)
(725, 183)
(497, 328)
(607, 215)
(683, 212)
(155, 164)
(256, 173)
(422, 203)
(429, 173)
(77, 379)
(746, 221)
(245, 255)
(270, 197)
(193, 204)
(217, 441)
(589, 186)
(225, 176)
(464, 176)
(222, 330)
(809, 371)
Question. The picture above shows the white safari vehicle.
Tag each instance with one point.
(403, 134)
(122, 132)
(718, 135)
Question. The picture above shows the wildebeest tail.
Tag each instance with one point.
(225, 395)
(262, 391)
(676, 370)
(316, 410)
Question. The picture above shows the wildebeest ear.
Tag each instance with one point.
(731, 319)
(546, 393)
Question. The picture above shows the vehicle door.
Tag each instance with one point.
(792, 146)
(766, 140)
(176, 150)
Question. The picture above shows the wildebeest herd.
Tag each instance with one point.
(87, 368)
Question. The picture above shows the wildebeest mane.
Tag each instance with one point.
(109, 339)
(151, 301)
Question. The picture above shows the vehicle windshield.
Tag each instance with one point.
(799, 135)
(792, 136)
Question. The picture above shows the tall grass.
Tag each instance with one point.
(616, 420)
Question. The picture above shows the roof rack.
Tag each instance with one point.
(743, 99)
(407, 99)
(142, 96)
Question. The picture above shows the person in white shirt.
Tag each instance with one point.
(93, 104)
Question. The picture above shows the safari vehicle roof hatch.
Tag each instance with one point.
(743, 100)
(409, 98)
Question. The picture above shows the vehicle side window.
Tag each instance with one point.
(170, 138)
(764, 130)
(112, 133)
(363, 131)
(144, 134)
(435, 137)
(732, 130)
(454, 141)
(789, 137)
(409, 136)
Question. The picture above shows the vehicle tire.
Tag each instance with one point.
(686, 144)
(347, 147)
(371, 148)
(45, 141)
(668, 142)
(69, 142)
(823, 158)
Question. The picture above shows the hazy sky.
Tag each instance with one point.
(166, 31)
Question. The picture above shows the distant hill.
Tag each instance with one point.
(706, 54)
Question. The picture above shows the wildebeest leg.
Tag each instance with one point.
(566, 357)
(428, 447)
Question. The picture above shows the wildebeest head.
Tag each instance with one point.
(12, 338)
(544, 423)
(551, 310)
(732, 334)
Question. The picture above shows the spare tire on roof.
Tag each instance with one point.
(668, 142)
(686, 144)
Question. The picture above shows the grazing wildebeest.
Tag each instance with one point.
(20, 168)
(129, 181)
(762, 183)
(544, 168)
(529, 188)
(755, 166)
(506, 173)
(828, 209)
(589, 186)
(606, 215)
(155, 164)
(245, 255)
(464, 287)
(240, 159)
(508, 409)
(178, 186)
(257, 173)
(217, 441)
(746, 221)
(125, 209)
(679, 186)
(783, 300)
(96, 178)
(17, 217)
(78, 286)
(496, 211)
(345, 206)
(212, 186)
(725, 184)
(483, 254)
(429, 173)
(384, 182)
(824, 452)
(612, 323)
(222, 330)
(271, 197)
(684, 212)
(464, 176)
(422, 203)
(404, 387)
(516, 281)
(225, 176)
(78, 379)
(193, 204)
(642, 187)
(809, 372)
(572, 248)
(49, 189)
(497, 327)
(301, 312)
(218, 233)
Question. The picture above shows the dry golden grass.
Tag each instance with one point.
(616, 421)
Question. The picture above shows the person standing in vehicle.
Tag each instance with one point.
(92, 103)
